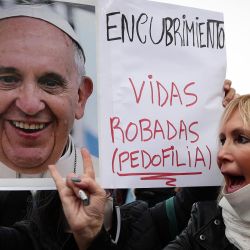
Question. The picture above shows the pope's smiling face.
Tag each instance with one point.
(41, 93)
(234, 154)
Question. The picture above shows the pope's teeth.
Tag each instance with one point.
(24, 125)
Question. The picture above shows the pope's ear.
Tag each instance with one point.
(84, 91)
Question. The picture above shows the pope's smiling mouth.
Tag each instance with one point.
(29, 127)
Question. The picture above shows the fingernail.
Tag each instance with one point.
(83, 197)
(75, 179)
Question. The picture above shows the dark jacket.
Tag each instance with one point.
(205, 230)
(33, 222)
(142, 227)
(152, 228)
(16, 237)
(15, 231)
(37, 223)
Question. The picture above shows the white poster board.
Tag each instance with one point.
(161, 69)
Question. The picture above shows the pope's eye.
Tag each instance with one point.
(9, 79)
(51, 83)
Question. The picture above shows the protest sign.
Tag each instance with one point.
(161, 69)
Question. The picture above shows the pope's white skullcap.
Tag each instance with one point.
(43, 12)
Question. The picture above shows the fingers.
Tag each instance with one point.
(230, 93)
(87, 162)
(227, 85)
(56, 176)
(72, 179)
(89, 175)
(83, 196)
(75, 183)
(85, 183)
(90, 185)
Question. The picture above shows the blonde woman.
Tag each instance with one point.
(225, 224)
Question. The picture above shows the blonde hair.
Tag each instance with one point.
(242, 104)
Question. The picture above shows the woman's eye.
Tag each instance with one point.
(242, 139)
(222, 141)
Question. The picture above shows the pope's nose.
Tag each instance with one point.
(29, 100)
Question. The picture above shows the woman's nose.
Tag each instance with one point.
(224, 154)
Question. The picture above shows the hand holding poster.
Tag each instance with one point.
(161, 70)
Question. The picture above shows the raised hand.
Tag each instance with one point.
(230, 92)
(85, 220)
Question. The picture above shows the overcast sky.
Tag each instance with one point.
(237, 28)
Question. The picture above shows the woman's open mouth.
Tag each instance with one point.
(234, 183)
